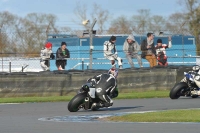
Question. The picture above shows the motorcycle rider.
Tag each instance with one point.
(196, 74)
(106, 87)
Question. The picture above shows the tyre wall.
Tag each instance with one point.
(58, 83)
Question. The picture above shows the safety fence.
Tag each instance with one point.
(20, 51)
(33, 64)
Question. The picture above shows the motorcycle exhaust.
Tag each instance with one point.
(87, 103)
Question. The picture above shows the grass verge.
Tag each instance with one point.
(192, 115)
(131, 95)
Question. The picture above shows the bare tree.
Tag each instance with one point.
(193, 16)
(157, 23)
(177, 24)
(80, 12)
(7, 21)
(102, 15)
(140, 22)
(32, 32)
(98, 12)
(120, 25)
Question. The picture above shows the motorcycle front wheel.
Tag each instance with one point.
(76, 102)
(177, 90)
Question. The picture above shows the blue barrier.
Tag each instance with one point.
(182, 52)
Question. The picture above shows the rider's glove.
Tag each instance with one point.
(85, 87)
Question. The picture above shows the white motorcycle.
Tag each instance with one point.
(189, 86)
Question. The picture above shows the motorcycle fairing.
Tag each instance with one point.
(189, 76)
(92, 92)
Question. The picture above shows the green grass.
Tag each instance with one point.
(131, 95)
(144, 94)
(192, 115)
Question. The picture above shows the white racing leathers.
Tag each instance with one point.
(110, 52)
(45, 56)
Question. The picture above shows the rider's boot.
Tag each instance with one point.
(198, 92)
(195, 92)
(96, 106)
(107, 104)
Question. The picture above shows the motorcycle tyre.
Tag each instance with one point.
(176, 89)
(73, 105)
(194, 96)
(95, 108)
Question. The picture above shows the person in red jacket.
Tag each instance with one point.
(45, 55)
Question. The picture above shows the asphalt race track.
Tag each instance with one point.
(55, 118)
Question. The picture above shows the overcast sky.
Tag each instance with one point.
(64, 9)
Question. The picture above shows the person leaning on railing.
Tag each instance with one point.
(61, 54)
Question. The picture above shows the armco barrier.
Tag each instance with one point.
(65, 82)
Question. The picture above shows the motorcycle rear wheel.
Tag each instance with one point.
(175, 92)
(76, 102)
(194, 96)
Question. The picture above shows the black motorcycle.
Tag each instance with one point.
(84, 99)
(189, 86)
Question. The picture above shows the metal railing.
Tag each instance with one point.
(33, 64)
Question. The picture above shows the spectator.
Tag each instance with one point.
(61, 54)
(131, 49)
(161, 51)
(45, 56)
(110, 51)
(148, 50)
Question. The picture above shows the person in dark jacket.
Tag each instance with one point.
(61, 54)
(148, 50)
